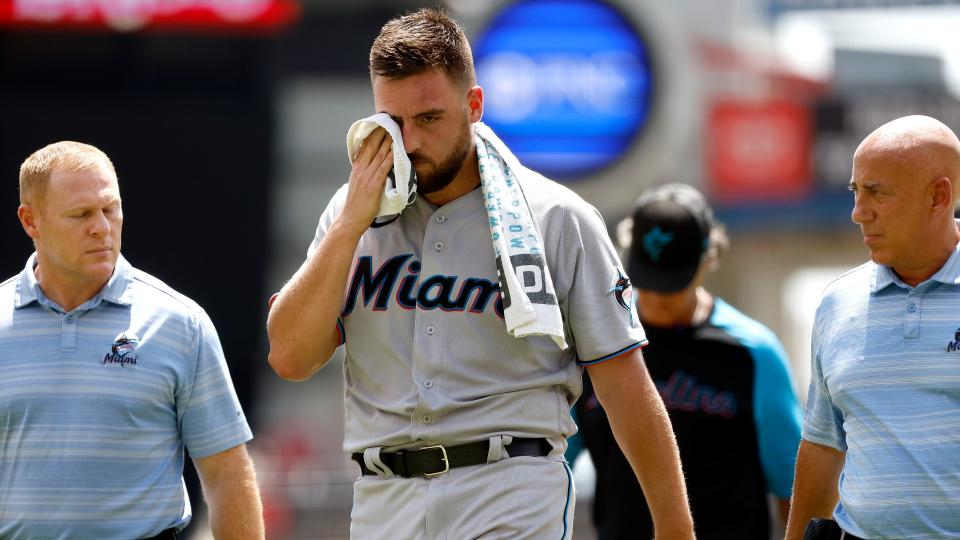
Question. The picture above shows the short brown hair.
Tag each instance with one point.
(35, 171)
(416, 42)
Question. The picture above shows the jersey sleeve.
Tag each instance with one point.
(776, 414)
(596, 295)
(211, 419)
(823, 422)
(326, 220)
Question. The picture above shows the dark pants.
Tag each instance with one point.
(826, 529)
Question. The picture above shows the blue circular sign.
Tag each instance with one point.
(567, 83)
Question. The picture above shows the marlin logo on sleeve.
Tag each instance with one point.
(623, 292)
(123, 350)
(654, 242)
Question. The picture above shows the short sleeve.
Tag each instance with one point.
(211, 419)
(326, 218)
(598, 305)
(823, 422)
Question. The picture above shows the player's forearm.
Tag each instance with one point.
(302, 323)
(814, 487)
(642, 429)
(652, 451)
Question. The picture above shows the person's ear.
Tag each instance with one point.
(941, 196)
(475, 103)
(29, 218)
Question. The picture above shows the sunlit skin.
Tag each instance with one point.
(903, 182)
(434, 114)
(76, 230)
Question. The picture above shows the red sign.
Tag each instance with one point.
(758, 151)
(132, 15)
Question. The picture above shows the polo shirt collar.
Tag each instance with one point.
(949, 273)
(117, 289)
(883, 276)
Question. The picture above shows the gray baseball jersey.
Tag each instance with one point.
(428, 358)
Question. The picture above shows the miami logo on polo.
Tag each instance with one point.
(954, 345)
(123, 351)
(654, 242)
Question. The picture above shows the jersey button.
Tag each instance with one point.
(441, 218)
(438, 246)
(428, 383)
(431, 330)
(427, 419)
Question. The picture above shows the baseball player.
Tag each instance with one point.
(723, 377)
(459, 427)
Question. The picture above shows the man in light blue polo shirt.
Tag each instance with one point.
(107, 375)
(881, 439)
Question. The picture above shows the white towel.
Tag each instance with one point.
(529, 299)
(396, 195)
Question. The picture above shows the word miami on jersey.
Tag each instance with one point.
(449, 293)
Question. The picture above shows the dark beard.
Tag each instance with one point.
(447, 170)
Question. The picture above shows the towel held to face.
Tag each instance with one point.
(401, 186)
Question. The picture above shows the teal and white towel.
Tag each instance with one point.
(529, 298)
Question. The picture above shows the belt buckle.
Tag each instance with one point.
(446, 463)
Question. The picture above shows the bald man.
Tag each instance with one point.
(880, 456)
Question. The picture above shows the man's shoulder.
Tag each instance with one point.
(150, 291)
(9, 284)
(845, 292)
(852, 281)
(8, 292)
(545, 195)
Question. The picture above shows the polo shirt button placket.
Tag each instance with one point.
(912, 318)
(68, 332)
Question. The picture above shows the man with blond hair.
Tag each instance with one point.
(881, 440)
(108, 375)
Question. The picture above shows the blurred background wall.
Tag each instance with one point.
(226, 121)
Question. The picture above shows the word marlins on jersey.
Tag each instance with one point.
(437, 291)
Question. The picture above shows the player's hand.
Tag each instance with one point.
(368, 176)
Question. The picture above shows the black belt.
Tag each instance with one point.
(438, 459)
(826, 529)
(169, 534)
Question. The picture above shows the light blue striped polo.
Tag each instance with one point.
(885, 389)
(96, 406)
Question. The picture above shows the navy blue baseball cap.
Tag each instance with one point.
(670, 234)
